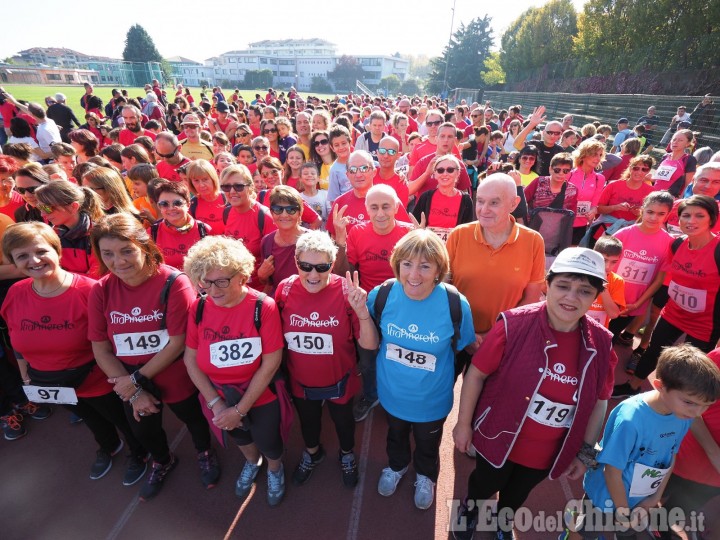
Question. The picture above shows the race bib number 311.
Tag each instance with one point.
(235, 352)
(140, 343)
(410, 358)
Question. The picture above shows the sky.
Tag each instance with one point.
(382, 27)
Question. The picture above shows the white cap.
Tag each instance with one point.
(577, 260)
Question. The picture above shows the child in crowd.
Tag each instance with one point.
(140, 175)
(311, 195)
(611, 301)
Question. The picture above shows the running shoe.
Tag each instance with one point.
(625, 339)
(633, 361)
(245, 481)
(157, 476)
(34, 411)
(135, 470)
(424, 492)
(307, 464)
(12, 426)
(209, 468)
(467, 520)
(276, 486)
(389, 480)
(624, 390)
(362, 408)
(349, 469)
(103, 462)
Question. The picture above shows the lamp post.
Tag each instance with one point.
(447, 59)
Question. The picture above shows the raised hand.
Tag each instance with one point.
(340, 221)
(356, 295)
(537, 116)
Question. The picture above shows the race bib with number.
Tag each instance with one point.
(600, 315)
(442, 232)
(410, 358)
(140, 343)
(691, 300)
(664, 172)
(636, 271)
(646, 480)
(583, 207)
(235, 352)
(309, 343)
(548, 413)
(51, 394)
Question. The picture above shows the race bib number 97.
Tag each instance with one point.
(140, 343)
(410, 358)
(309, 343)
(235, 352)
(51, 394)
(548, 413)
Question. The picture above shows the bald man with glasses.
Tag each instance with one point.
(548, 147)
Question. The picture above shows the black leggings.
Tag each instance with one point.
(514, 483)
(151, 434)
(310, 414)
(264, 430)
(102, 415)
(618, 324)
(664, 335)
(11, 392)
(427, 435)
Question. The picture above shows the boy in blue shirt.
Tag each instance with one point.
(639, 444)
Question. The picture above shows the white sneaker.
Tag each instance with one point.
(424, 492)
(389, 480)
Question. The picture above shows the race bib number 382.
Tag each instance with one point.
(235, 352)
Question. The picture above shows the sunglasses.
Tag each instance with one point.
(474, 116)
(166, 155)
(527, 158)
(227, 188)
(388, 151)
(321, 142)
(558, 170)
(319, 268)
(24, 190)
(443, 170)
(278, 209)
(271, 130)
(260, 148)
(222, 283)
(433, 123)
(242, 134)
(638, 168)
(177, 203)
(45, 208)
(361, 169)
(556, 133)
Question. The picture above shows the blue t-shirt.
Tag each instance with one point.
(636, 440)
(415, 361)
(338, 182)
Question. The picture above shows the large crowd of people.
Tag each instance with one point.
(279, 255)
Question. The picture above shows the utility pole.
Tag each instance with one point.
(447, 58)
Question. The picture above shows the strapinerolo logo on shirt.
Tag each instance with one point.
(45, 323)
(135, 316)
(557, 374)
(313, 320)
(411, 332)
(641, 256)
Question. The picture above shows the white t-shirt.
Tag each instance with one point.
(47, 134)
(318, 202)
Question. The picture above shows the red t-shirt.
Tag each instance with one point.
(8, 111)
(357, 212)
(537, 445)
(319, 329)
(175, 245)
(369, 252)
(229, 347)
(16, 201)
(463, 182)
(426, 148)
(127, 137)
(51, 333)
(244, 226)
(693, 289)
(398, 184)
(444, 211)
(130, 319)
(618, 192)
(211, 213)
(170, 172)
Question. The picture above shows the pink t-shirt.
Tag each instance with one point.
(589, 190)
(618, 192)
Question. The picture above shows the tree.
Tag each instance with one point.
(410, 87)
(464, 57)
(391, 83)
(493, 74)
(346, 72)
(258, 78)
(139, 47)
(419, 66)
(320, 85)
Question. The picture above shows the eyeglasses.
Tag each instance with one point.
(321, 142)
(638, 168)
(278, 209)
(556, 133)
(242, 134)
(475, 116)
(222, 283)
(443, 170)
(271, 172)
(191, 127)
(271, 130)
(166, 155)
(558, 170)
(319, 268)
(360, 169)
(260, 148)
(433, 123)
(527, 158)
(45, 208)
(24, 190)
(177, 203)
(227, 188)
(388, 151)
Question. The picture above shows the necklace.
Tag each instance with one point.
(48, 293)
(181, 228)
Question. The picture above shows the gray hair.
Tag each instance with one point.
(318, 242)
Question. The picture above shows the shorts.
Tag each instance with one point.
(661, 297)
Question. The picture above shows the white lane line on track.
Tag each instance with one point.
(356, 509)
(567, 490)
(130, 509)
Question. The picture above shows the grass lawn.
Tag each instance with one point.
(38, 94)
